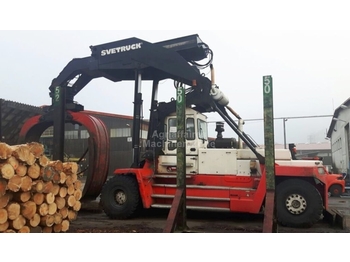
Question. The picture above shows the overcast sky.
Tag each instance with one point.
(310, 71)
(304, 46)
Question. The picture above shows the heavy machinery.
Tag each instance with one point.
(227, 174)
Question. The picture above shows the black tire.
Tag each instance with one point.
(335, 190)
(120, 197)
(298, 203)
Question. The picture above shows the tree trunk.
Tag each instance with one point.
(36, 149)
(56, 189)
(72, 215)
(28, 209)
(64, 212)
(50, 198)
(77, 206)
(18, 223)
(43, 209)
(14, 183)
(38, 186)
(47, 221)
(43, 161)
(38, 198)
(49, 173)
(4, 216)
(35, 220)
(70, 200)
(52, 208)
(63, 177)
(6, 170)
(78, 194)
(5, 151)
(58, 218)
(13, 162)
(71, 189)
(24, 229)
(13, 210)
(60, 202)
(26, 184)
(4, 226)
(70, 167)
(47, 187)
(21, 170)
(78, 185)
(65, 225)
(57, 228)
(5, 199)
(22, 196)
(34, 171)
(63, 192)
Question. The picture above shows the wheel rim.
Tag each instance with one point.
(296, 204)
(120, 197)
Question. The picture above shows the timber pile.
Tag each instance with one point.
(36, 194)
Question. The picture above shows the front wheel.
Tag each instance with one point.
(335, 190)
(298, 203)
(120, 197)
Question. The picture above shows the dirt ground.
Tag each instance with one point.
(93, 220)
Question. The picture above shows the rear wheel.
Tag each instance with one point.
(120, 197)
(335, 190)
(298, 203)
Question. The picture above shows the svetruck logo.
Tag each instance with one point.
(121, 49)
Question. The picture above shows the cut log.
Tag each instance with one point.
(38, 198)
(3, 186)
(10, 231)
(6, 170)
(70, 200)
(22, 196)
(14, 183)
(63, 177)
(71, 189)
(57, 228)
(5, 151)
(58, 218)
(57, 165)
(21, 170)
(35, 220)
(78, 194)
(52, 208)
(43, 161)
(43, 209)
(22, 152)
(18, 223)
(13, 210)
(26, 184)
(4, 226)
(34, 171)
(55, 189)
(77, 206)
(47, 229)
(70, 167)
(50, 198)
(28, 209)
(69, 180)
(24, 229)
(5, 199)
(36, 149)
(13, 162)
(4, 215)
(74, 177)
(64, 212)
(47, 187)
(36, 229)
(49, 173)
(38, 186)
(72, 215)
(65, 225)
(47, 221)
(31, 159)
(60, 202)
(63, 192)
(78, 185)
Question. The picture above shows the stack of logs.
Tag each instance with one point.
(36, 193)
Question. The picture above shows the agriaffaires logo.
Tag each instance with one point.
(121, 49)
